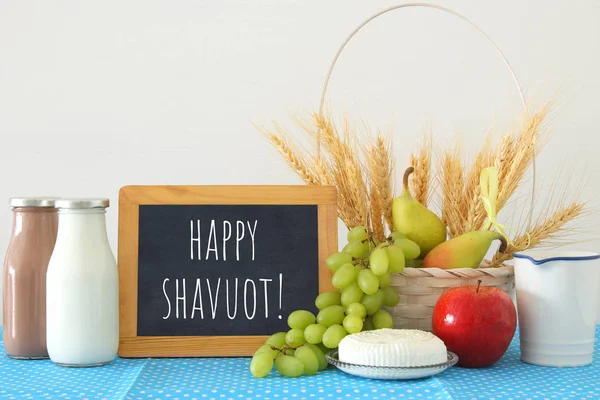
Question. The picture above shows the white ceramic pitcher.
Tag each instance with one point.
(558, 295)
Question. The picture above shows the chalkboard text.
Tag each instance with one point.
(244, 230)
(225, 270)
(185, 299)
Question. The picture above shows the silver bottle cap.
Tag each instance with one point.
(82, 203)
(32, 201)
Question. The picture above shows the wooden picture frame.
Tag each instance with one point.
(130, 199)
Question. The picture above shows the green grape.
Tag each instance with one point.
(358, 233)
(397, 235)
(368, 281)
(379, 262)
(330, 316)
(357, 309)
(264, 348)
(410, 249)
(336, 260)
(300, 319)
(308, 358)
(367, 247)
(382, 245)
(289, 352)
(267, 349)
(355, 248)
(368, 324)
(320, 355)
(289, 366)
(390, 297)
(295, 337)
(383, 319)
(261, 365)
(333, 336)
(276, 340)
(344, 276)
(326, 299)
(385, 280)
(314, 333)
(353, 323)
(396, 257)
(323, 348)
(352, 294)
(373, 302)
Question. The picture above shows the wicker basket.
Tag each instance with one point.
(420, 289)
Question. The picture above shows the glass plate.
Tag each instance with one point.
(372, 372)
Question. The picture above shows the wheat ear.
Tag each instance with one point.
(471, 206)
(542, 233)
(452, 183)
(345, 170)
(385, 178)
(420, 179)
(523, 149)
(380, 179)
(292, 156)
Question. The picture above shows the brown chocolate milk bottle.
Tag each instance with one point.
(35, 223)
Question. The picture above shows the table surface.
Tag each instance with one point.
(229, 378)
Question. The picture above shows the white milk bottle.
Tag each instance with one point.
(82, 297)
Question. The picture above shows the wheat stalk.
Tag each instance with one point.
(338, 167)
(385, 179)
(381, 168)
(376, 215)
(471, 206)
(504, 155)
(346, 171)
(363, 176)
(521, 153)
(326, 131)
(543, 232)
(296, 161)
(512, 158)
(452, 183)
(420, 179)
(322, 171)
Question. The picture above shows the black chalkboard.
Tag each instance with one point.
(191, 257)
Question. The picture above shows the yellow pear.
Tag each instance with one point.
(464, 251)
(416, 221)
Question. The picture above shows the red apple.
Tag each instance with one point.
(475, 322)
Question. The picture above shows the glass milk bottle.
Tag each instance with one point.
(35, 222)
(82, 287)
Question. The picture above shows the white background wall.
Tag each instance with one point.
(99, 94)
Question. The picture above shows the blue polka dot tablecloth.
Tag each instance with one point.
(229, 378)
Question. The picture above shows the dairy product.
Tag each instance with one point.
(392, 348)
(82, 287)
(35, 223)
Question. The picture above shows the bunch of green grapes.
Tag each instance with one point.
(291, 360)
(362, 276)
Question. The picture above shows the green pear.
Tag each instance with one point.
(464, 251)
(416, 221)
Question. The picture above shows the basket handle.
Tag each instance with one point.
(447, 11)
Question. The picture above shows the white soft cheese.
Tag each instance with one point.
(392, 348)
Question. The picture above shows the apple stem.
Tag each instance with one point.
(478, 285)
